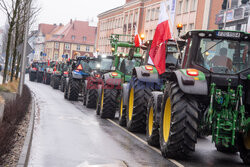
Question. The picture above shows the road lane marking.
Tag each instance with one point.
(144, 142)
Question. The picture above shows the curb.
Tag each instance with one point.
(25, 154)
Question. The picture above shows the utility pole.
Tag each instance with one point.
(24, 56)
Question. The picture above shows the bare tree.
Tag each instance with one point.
(16, 12)
(11, 12)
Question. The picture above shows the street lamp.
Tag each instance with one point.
(179, 28)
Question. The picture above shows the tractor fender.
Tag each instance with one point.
(125, 94)
(191, 86)
(146, 76)
(111, 80)
(76, 75)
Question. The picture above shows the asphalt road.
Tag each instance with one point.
(69, 135)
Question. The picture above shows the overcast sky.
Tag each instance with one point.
(61, 11)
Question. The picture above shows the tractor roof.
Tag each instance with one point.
(227, 34)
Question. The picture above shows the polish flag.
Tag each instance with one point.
(138, 41)
(162, 34)
(48, 63)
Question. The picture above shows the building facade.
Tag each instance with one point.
(235, 17)
(144, 15)
(76, 38)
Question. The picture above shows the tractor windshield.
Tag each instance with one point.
(224, 56)
(106, 64)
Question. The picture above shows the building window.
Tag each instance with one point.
(157, 13)
(191, 26)
(87, 48)
(184, 28)
(150, 34)
(186, 5)
(73, 37)
(126, 19)
(84, 38)
(78, 47)
(57, 45)
(193, 5)
(67, 46)
(136, 17)
(152, 14)
(148, 15)
(146, 34)
(180, 7)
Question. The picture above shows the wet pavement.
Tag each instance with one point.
(69, 135)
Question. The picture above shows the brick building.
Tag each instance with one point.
(143, 14)
(76, 38)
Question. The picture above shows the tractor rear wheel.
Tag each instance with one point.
(62, 83)
(56, 82)
(32, 77)
(84, 94)
(73, 91)
(108, 102)
(244, 147)
(91, 98)
(39, 77)
(152, 126)
(179, 123)
(66, 89)
(139, 94)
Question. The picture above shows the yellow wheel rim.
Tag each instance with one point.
(150, 121)
(247, 140)
(166, 120)
(131, 103)
(102, 99)
(121, 108)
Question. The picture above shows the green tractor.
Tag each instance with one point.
(112, 83)
(207, 93)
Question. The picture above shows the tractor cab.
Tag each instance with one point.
(104, 63)
(219, 54)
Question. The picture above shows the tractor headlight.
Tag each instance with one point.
(98, 65)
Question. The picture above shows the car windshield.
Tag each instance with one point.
(224, 56)
(171, 54)
(106, 64)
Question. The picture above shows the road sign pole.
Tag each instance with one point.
(24, 56)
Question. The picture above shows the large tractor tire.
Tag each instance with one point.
(66, 90)
(84, 94)
(122, 111)
(244, 147)
(139, 94)
(98, 103)
(47, 79)
(39, 77)
(73, 90)
(91, 98)
(62, 83)
(109, 102)
(32, 77)
(179, 123)
(56, 82)
(153, 111)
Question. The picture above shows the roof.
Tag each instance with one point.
(74, 32)
(46, 28)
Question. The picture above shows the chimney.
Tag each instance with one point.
(70, 21)
(54, 24)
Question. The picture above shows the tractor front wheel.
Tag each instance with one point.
(179, 123)
(152, 126)
(91, 98)
(73, 91)
(108, 102)
(56, 82)
(122, 112)
(139, 94)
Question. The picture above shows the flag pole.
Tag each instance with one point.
(171, 25)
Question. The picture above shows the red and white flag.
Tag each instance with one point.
(162, 34)
(138, 41)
